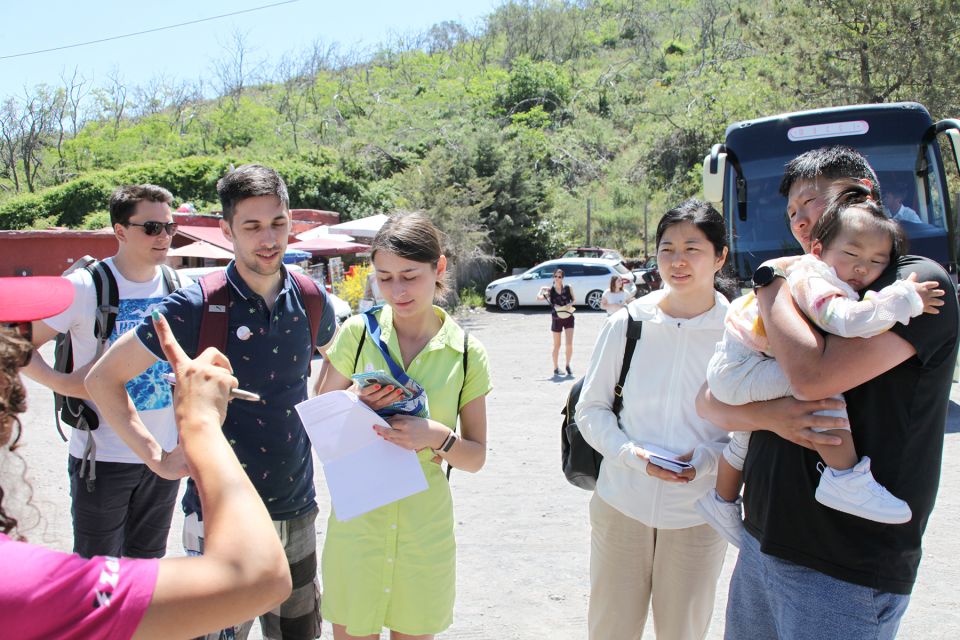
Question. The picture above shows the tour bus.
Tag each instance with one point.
(899, 139)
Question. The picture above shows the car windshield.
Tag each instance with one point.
(621, 268)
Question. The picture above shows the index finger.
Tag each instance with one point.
(174, 353)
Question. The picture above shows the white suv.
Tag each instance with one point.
(588, 277)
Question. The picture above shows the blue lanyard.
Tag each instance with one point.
(373, 328)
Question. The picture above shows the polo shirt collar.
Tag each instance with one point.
(449, 335)
(243, 289)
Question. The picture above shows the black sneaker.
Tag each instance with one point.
(556, 372)
(569, 373)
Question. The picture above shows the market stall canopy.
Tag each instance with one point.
(327, 247)
(323, 231)
(364, 227)
(201, 249)
(292, 256)
(213, 235)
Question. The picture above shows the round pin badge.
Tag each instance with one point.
(244, 333)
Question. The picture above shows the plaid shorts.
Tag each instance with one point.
(297, 617)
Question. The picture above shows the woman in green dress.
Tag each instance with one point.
(395, 567)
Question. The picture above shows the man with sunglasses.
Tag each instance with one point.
(120, 506)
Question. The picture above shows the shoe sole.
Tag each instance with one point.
(715, 524)
(845, 507)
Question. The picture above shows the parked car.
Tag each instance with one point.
(588, 277)
(340, 307)
(647, 277)
(592, 252)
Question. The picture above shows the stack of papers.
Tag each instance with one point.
(363, 471)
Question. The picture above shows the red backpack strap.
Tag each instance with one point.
(313, 302)
(216, 304)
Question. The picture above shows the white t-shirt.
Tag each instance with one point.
(150, 393)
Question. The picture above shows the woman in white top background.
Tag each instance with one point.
(614, 298)
(648, 543)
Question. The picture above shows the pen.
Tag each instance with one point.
(239, 394)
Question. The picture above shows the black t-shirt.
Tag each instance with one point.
(561, 299)
(898, 420)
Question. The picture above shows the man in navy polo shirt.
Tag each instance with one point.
(269, 346)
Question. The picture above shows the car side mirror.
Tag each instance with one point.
(528, 276)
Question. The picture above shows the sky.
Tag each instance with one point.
(188, 52)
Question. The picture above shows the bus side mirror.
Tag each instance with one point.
(714, 169)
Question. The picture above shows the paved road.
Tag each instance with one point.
(522, 531)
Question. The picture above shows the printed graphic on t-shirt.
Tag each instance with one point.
(149, 391)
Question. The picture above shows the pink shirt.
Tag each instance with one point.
(51, 594)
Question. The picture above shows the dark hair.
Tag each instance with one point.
(125, 199)
(250, 181)
(850, 200)
(614, 280)
(704, 217)
(413, 237)
(13, 401)
(832, 163)
(558, 271)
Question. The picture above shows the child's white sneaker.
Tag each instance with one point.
(725, 517)
(857, 493)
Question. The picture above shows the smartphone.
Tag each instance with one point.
(383, 379)
(677, 466)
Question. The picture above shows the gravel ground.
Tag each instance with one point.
(522, 531)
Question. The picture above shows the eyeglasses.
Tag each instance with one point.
(25, 331)
(153, 228)
(558, 277)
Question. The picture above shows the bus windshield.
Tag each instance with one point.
(917, 203)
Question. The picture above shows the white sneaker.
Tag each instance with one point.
(725, 517)
(857, 493)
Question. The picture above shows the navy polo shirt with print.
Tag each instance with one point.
(270, 352)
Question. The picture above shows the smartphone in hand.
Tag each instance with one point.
(383, 379)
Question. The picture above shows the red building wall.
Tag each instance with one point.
(51, 251)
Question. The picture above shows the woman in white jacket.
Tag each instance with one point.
(648, 543)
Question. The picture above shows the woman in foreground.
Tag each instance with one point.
(55, 594)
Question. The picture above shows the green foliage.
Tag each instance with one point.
(471, 299)
(501, 135)
(534, 84)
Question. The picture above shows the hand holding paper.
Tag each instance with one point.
(363, 471)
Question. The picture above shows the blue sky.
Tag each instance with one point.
(187, 53)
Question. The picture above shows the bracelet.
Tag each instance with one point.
(448, 442)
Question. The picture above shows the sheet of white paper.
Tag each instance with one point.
(363, 471)
(371, 478)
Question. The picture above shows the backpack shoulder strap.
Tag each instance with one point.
(214, 320)
(313, 302)
(466, 338)
(108, 302)
(171, 279)
(634, 328)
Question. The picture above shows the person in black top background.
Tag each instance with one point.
(561, 300)
(805, 570)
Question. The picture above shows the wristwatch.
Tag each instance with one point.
(765, 274)
(448, 442)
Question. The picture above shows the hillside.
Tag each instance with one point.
(503, 134)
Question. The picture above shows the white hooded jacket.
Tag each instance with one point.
(668, 368)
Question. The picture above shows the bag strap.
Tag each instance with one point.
(214, 321)
(370, 320)
(313, 301)
(634, 328)
(356, 358)
(171, 279)
(466, 337)
(108, 302)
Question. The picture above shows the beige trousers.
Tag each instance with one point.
(630, 562)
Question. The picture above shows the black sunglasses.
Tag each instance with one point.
(153, 228)
(25, 331)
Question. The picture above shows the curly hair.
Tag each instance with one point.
(13, 401)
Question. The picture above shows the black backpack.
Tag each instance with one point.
(74, 411)
(580, 461)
